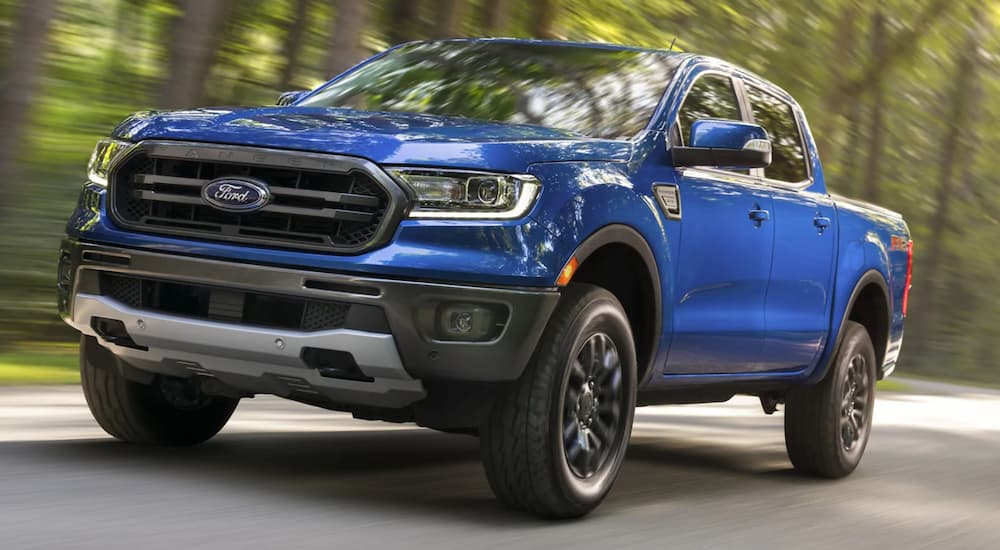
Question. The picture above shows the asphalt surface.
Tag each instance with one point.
(282, 475)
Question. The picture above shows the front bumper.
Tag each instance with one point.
(256, 359)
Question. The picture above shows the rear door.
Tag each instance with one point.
(797, 308)
(724, 256)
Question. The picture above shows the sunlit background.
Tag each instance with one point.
(903, 96)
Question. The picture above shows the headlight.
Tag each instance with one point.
(468, 195)
(103, 157)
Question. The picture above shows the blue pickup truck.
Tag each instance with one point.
(518, 240)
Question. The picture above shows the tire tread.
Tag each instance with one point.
(133, 412)
(810, 432)
(517, 467)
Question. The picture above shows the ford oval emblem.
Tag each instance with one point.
(236, 194)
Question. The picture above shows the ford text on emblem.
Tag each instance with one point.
(235, 194)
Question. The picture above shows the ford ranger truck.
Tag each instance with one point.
(518, 240)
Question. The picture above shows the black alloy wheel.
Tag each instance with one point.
(592, 406)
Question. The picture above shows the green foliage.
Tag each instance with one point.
(107, 58)
(893, 385)
(40, 363)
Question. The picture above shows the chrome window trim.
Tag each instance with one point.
(770, 89)
(742, 179)
(721, 175)
(741, 79)
(656, 119)
(706, 72)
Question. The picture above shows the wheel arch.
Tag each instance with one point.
(601, 257)
(870, 305)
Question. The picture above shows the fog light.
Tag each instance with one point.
(64, 283)
(65, 273)
(469, 322)
(462, 322)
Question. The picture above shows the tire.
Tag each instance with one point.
(530, 462)
(827, 425)
(169, 411)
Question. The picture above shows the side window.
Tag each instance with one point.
(788, 161)
(711, 96)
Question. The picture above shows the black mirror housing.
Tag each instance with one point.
(724, 143)
(287, 98)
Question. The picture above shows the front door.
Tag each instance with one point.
(723, 263)
(723, 260)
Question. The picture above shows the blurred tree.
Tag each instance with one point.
(495, 17)
(449, 19)
(195, 41)
(405, 22)
(6, 24)
(292, 46)
(842, 143)
(954, 152)
(876, 116)
(121, 35)
(902, 44)
(20, 83)
(345, 43)
(842, 54)
(544, 20)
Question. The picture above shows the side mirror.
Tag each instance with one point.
(724, 143)
(287, 98)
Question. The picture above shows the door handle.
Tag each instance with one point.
(821, 223)
(759, 216)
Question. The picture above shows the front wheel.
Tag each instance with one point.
(555, 441)
(827, 424)
(168, 411)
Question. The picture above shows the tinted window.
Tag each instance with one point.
(595, 92)
(788, 161)
(711, 96)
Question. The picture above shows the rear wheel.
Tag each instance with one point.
(827, 425)
(555, 441)
(168, 411)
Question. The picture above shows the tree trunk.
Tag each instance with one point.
(842, 57)
(850, 153)
(293, 44)
(496, 17)
(902, 45)
(543, 23)
(449, 19)
(404, 21)
(345, 44)
(26, 55)
(117, 81)
(195, 41)
(952, 156)
(876, 117)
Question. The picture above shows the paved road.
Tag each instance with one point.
(286, 476)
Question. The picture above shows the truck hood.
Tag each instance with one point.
(382, 137)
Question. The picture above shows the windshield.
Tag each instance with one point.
(594, 92)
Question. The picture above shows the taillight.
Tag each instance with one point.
(909, 275)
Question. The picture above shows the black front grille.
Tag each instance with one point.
(159, 190)
(239, 307)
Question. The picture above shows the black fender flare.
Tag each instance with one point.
(617, 233)
(869, 277)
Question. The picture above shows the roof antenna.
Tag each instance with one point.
(672, 44)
